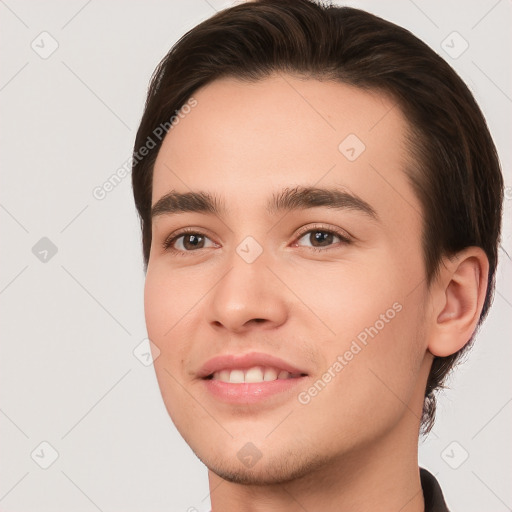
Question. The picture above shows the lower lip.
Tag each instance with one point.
(250, 393)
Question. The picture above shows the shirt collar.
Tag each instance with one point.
(432, 493)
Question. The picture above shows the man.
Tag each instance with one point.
(320, 201)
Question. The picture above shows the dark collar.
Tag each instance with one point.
(434, 500)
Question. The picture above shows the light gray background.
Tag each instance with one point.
(69, 325)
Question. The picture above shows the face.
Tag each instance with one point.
(324, 290)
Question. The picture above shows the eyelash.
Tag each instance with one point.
(170, 240)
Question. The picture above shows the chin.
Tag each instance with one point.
(277, 469)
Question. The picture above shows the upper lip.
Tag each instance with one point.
(245, 361)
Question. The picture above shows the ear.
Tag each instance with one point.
(458, 297)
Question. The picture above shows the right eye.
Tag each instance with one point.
(185, 241)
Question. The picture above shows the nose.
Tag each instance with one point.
(248, 295)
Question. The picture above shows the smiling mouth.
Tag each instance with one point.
(254, 374)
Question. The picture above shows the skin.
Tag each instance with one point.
(354, 445)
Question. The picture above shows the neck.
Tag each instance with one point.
(383, 475)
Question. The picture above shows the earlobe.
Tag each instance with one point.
(460, 293)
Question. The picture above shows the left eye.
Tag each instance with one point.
(319, 238)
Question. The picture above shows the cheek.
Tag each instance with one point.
(390, 347)
(157, 304)
(174, 301)
(376, 369)
(166, 303)
(378, 311)
(374, 325)
(169, 296)
(347, 296)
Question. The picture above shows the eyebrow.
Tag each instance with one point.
(289, 199)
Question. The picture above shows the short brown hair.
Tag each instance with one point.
(457, 175)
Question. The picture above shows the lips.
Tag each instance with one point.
(250, 367)
(251, 380)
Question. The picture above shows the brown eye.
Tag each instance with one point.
(321, 238)
(187, 241)
(191, 242)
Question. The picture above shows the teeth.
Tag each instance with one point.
(251, 375)
(270, 374)
(223, 375)
(236, 376)
(254, 375)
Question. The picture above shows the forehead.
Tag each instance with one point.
(258, 137)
